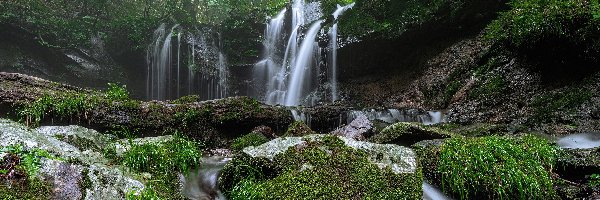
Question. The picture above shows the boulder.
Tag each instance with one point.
(407, 133)
(323, 166)
(79, 169)
(359, 129)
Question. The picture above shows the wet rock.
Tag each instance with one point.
(264, 130)
(359, 129)
(405, 133)
(576, 164)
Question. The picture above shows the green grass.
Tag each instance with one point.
(29, 164)
(30, 160)
(497, 168)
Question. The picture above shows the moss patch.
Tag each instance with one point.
(325, 169)
(298, 128)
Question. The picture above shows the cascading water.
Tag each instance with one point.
(333, 44)
(290, 71)
(207, 70)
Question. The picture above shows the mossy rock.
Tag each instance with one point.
(298, 128)
(406, 133)
(471, 168)
(322, 167)
(251, 139)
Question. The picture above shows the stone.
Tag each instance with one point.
(407, 133)
(359, 129)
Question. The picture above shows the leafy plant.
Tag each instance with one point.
(176, 155)
(595, 180)
(116, 92)
(30, 159)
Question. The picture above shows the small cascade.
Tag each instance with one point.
(202, 183)
(206, 73)
(391, 116)
(430, 192)
(580, 141)
(290, 70)
(333, 44)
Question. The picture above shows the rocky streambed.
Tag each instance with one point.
(73, 143)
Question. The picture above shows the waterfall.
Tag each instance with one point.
(207, 70)
(333, 52)
(302, 67)
(293, 78)
(159, 63)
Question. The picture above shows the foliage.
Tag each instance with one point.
(176, 155)
(391, 18)
(306, 173)
(533, 21)
(250, 139)
(116, 92)
(595, 180)
(546, 106)
(498, 167)
(146, 194)
(30, 160)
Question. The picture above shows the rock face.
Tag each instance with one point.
(325, 163)
(90, 178)
(406, 133)
(359, 129)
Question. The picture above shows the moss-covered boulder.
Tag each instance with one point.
(491, 167)
(406, 133)
(298, 128)
(322, 167)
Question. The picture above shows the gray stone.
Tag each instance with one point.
(359, 129)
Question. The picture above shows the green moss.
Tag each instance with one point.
(187, 99)
(31, 189)
(594, 181)
(327, 169)
(490, 88)
(497, 168)
(547, 106)
(298, 128)
(236, 109)
(250, 139)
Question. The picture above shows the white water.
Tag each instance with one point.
(201, 184)
(580, 141)
(391, 116)
(333, 44)
(289, 71)
(430, 192)
(168, 77)
(302, 67)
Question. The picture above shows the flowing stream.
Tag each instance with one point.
(580, 141)
(201, 184)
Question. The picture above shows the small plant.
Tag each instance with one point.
(116, 92)
(30, 160)
(595, 180)
(146, 194)
(250, 139)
